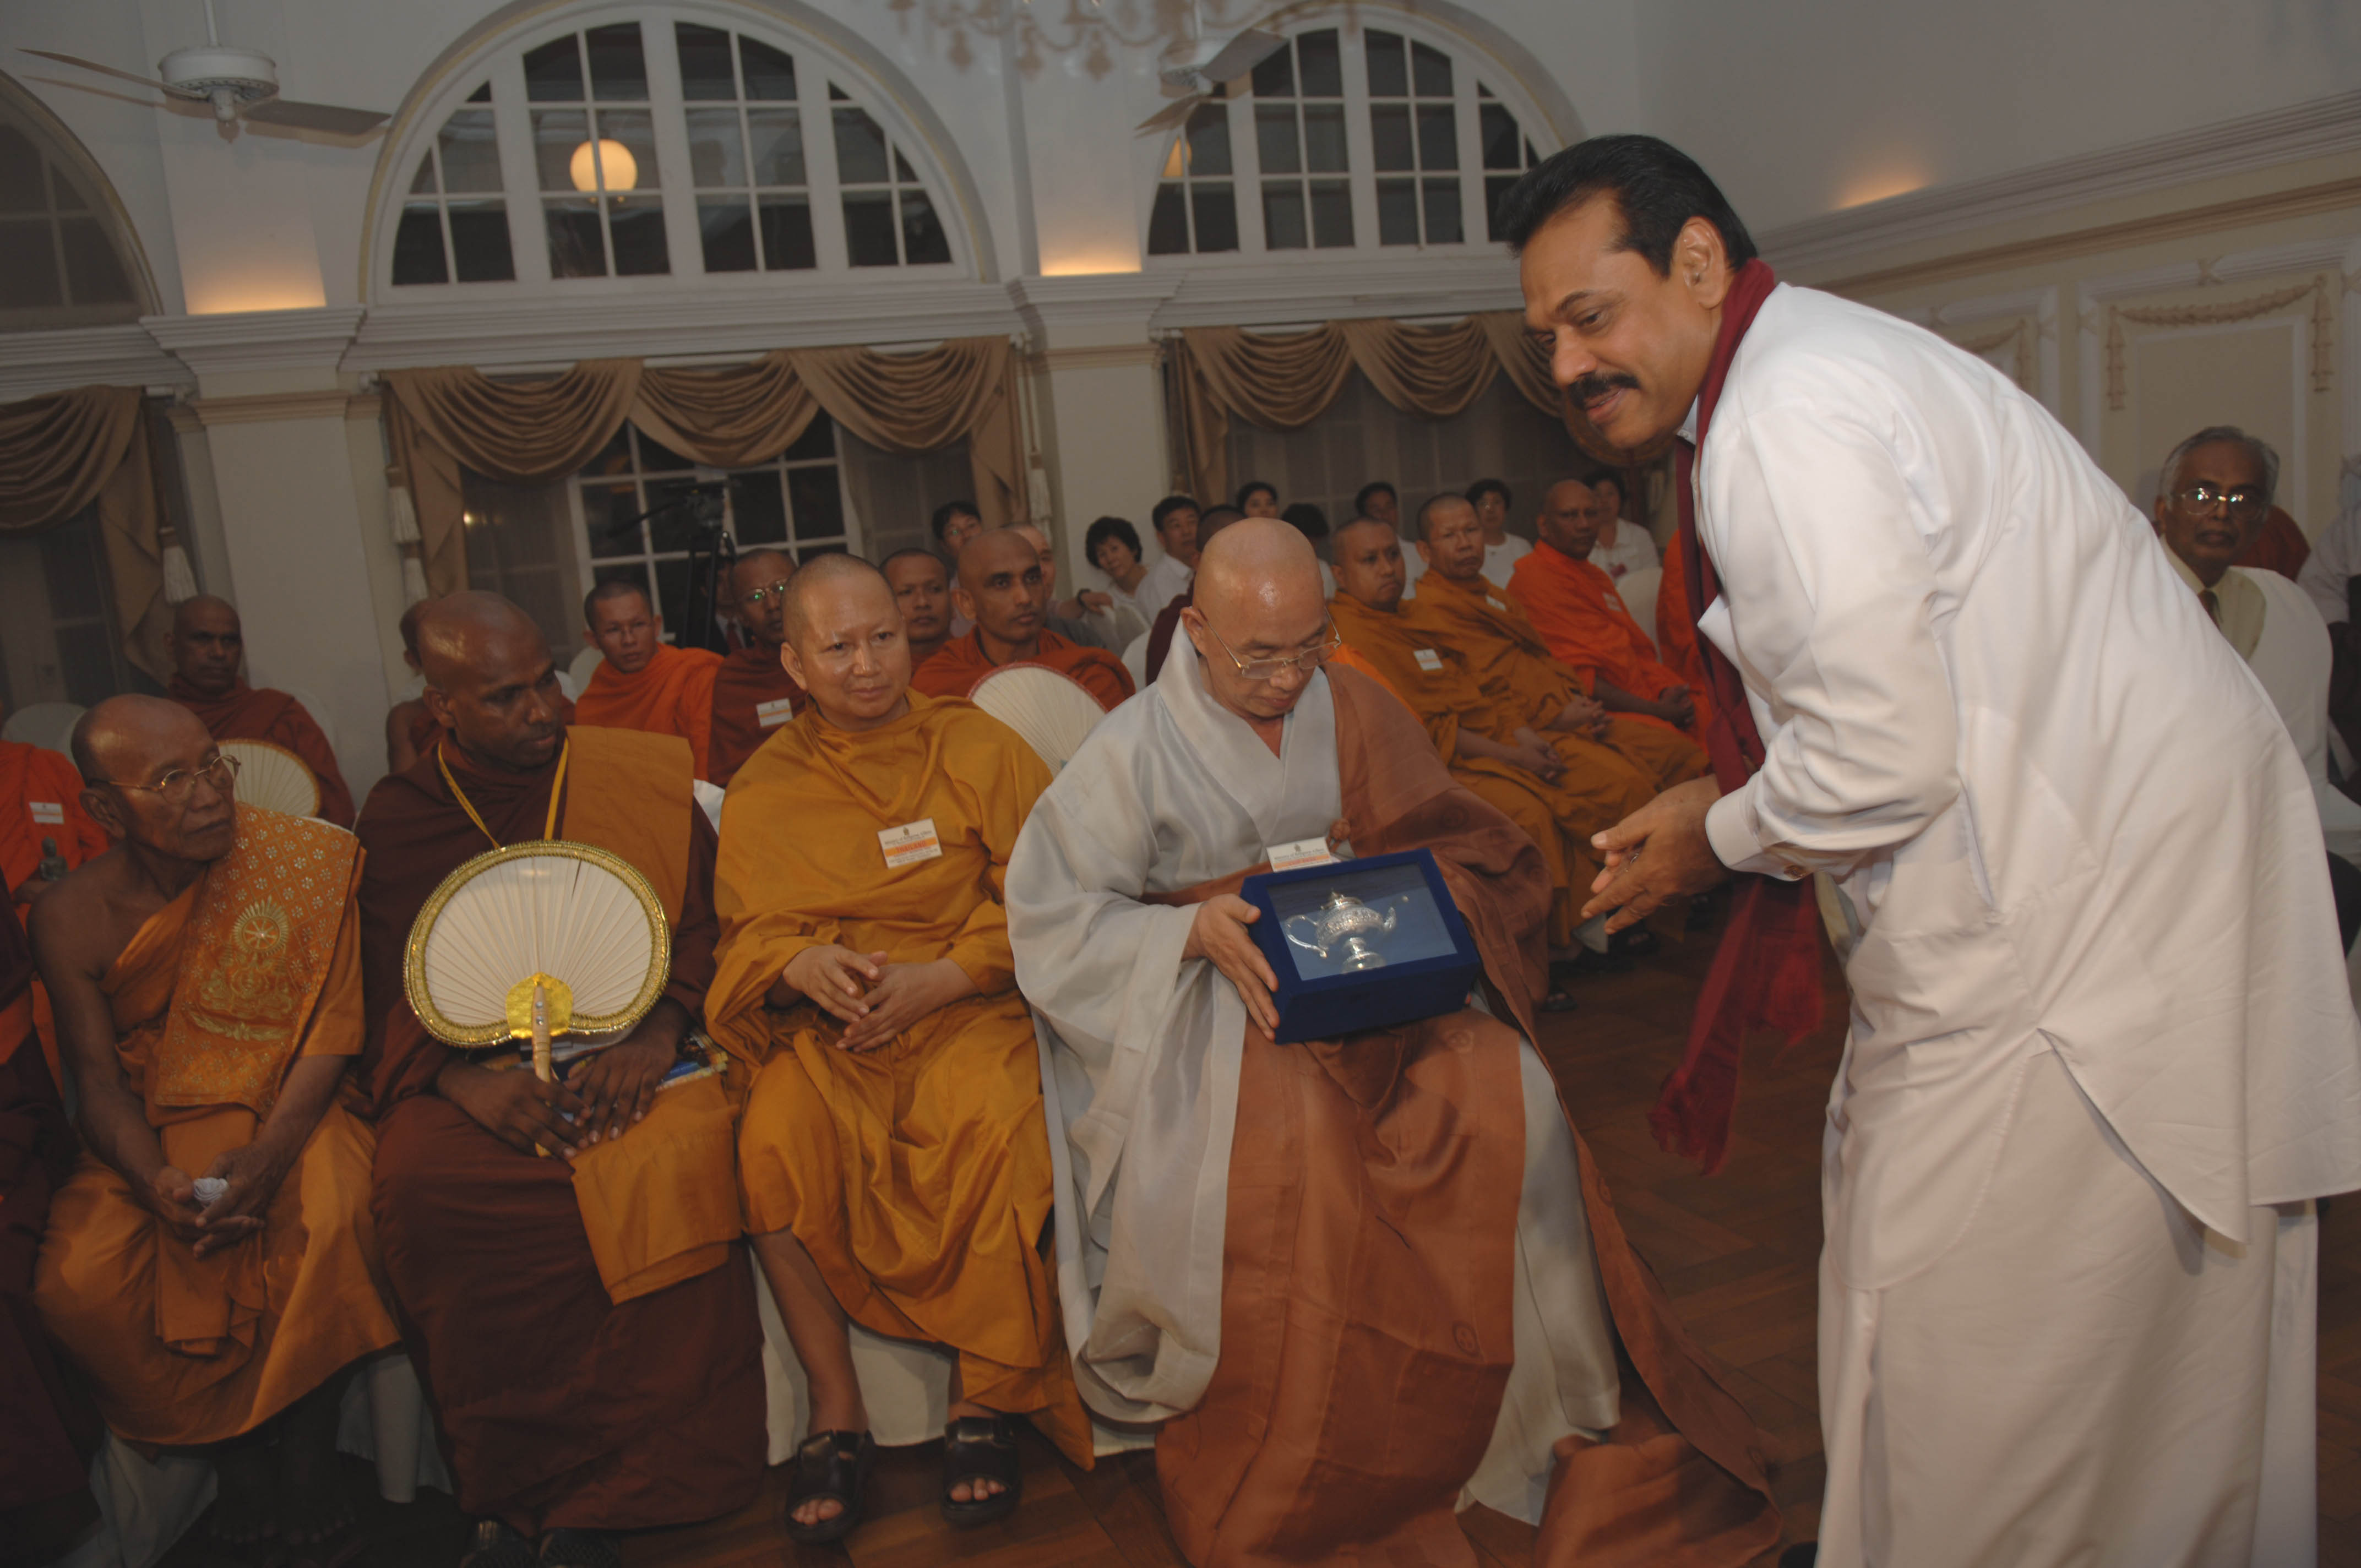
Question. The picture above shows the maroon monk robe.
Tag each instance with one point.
(48, 1430)
(558, 1407)
(250, 713)
(1167, 628)
(752, 696)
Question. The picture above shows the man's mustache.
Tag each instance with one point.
(1598, 383)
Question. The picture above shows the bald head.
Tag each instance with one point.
(758, 588)
(207, 644)
(1257, 560)
(1258, 597)
(491, 681)
(845, 642)
(822, 582)
(1369, 565)
(1569, 518)
(1001, 588)
(142, 740)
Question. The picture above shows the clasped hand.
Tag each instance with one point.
(254, 1173)
(1678, 859)
(877, 1000)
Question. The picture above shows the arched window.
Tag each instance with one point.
(634, 142)
(1347, 137)
(63, 259)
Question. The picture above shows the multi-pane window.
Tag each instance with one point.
(1367, 137)
(1298, 108)
(745, 152)
(59, 641)
(794, 502)
(455, 223)
(55, 252)
(655, 146)
(888, 217)
(1414, 141)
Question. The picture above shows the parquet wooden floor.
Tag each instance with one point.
(1737, 1252)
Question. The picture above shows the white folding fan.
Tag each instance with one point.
(1053, 712)
(559, 944)
(274, 778)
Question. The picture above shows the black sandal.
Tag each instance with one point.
(980, 1448)
(568, 1548)
(832, 1465)
(492, 1544)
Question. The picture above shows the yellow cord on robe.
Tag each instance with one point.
(556, 794)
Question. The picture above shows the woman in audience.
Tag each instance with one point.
(1113, 546)
(1259, 498)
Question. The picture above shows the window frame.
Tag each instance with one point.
(500, 61)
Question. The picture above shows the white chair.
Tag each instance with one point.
(1135, 659)
(1128, 622)
(49, 725)
(585, 664)
(1638, 589)
(1049, 708)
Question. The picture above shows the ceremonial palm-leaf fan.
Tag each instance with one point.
(1052, 711)
(274, 778)
(536, 942)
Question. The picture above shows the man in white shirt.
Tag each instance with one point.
(1502, 549)
(1623, 546)
(1175, 519)
(2102, 1056)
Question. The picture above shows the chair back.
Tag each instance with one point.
(1638, 591)
(46, 724)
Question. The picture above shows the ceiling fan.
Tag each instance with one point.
(240, 84)
(1232, 61)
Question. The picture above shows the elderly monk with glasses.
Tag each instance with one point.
(1348, 1278)
(753, 695)
(211, 1264)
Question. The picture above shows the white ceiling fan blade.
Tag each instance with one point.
(1242, 54)
(103, 69)
(1170, 115)
(296, 115)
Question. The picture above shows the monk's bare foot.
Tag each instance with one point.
(976, 1489)
(824, 1499)
(981, 1468)
(243, 1523)
(832, 1410)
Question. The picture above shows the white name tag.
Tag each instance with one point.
(1429, 661)
(50, 812)
(1615, 603)
(777, 711)
(910, 843)
(1302, 852)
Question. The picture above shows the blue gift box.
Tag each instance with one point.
(1406, 922)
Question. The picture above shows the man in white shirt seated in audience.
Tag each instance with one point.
(1623, 546)
(1175, 519)
(1502, 549)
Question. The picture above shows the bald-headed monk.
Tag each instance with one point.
(753, 696)
(584, 1323)
(643, 682)
(1350, 1278)
(1001, 588)
(208, 648)
(409, 729)
(1513, 665)
(211, 1264)
(1561, 802)
(892, 1157)
(922, 587)
(1168, 620)
(1573, 604)
(1070, 618)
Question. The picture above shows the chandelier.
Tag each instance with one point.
(1092, 29)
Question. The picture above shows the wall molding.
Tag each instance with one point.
(272, 408)
(35, 364)
(2321, 127)
(1338, 288)
(257, 340)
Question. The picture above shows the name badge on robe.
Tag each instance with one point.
(49, 813)
(1429, 660)
(910, 843)
(1302, 852)
(777, 711)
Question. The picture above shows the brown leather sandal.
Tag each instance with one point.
(980, 1448)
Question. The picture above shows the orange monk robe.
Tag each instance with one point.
(1580, 615)
(1518, 677)
(752, 697)
(958, 665)
(672, 695)
(40, 805)
(1676, 632)
(1434, 681)
(188, 1350)
(258, 713)
(916, 1174)
(1350, 658)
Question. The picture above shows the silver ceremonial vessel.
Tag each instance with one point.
(1344, 923)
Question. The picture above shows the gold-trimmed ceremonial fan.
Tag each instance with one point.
(1050, 711)
(273, 778)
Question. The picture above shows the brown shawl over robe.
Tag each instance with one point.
(588, 1371)
(258, 713)
(1368, 1264)
(754, 696)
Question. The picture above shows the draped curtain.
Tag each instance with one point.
(1283, 381)
(60, 453)
(533, 431)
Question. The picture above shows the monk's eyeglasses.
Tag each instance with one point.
(1304, 664)
(2205, 498)
(777, 590)
(174, 787)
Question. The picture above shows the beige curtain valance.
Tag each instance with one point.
(441, 421)
(60, 453)
(1285, 380)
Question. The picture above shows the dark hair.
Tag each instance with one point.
(1482, 488)
(1603, 474)
(613, 589)
(1306, 520)
(950, 509)
(1108, 528)
(1426, 508)
(1361, 497)
(1657, 185)
(1251, 485)
(1169, 504)
(914, 552)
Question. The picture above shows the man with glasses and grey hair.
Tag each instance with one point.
(1348, 1277)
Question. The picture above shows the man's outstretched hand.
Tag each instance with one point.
(1660, 851)
(1220, 934)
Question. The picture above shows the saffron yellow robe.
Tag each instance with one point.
(915, 1173)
